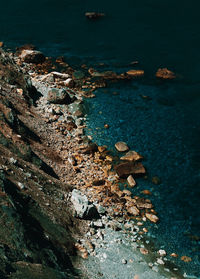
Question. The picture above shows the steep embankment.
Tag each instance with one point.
(36, 224)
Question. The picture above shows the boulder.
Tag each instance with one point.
(131, 181)
(1, 44)
(58, 96)
(153, 218)
(84, 209)
(121, 146)
(135, 73)
(131, 156)
(127, 168)
(164, 73)
(32, 56)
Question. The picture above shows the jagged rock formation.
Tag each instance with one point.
(35, 242)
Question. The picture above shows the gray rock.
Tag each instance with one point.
(83, 208)
(58, 96)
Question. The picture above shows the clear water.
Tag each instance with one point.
(166, 128)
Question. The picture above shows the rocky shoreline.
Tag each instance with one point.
(72, 194)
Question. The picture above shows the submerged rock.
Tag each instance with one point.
(83, 208)
(164, 73)
(94, 15)
(121, 146)
(135, 73)
(58, 96)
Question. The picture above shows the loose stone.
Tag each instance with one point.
(121, 146)
(144, 251)
(131, 156)
(32, 56)
(127, 168)
(186, 259)
(135, 73)
(159, 261)
(153, 218)
(131, 181)
(162, 253)
(124, 261)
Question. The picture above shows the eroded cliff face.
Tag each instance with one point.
(36, 225)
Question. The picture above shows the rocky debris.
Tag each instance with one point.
(131, 156)
(11, 74)
(135, 73)
(58, 96)
(152, 217)
(121, 146)
(131, 181)
(32, 56)
(94, 15)
(164, 73)
(84, 209)
(127, 168)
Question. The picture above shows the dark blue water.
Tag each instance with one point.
(166, 127)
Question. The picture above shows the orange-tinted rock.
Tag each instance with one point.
(131, 156)
(135, 73)
(174, 255)
(101, 148)
(164, 73)
(121, 146)
(144, 251)
(186, 259)
(131, 181)
(153, 218)
(106, 126)
(1, 44)
(127, 168)
(146, 192)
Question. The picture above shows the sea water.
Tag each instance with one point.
(164, 126)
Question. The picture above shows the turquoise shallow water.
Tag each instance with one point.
(165, 128)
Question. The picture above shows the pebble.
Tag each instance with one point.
(159, 261)
(124, 261)
(131, 181)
